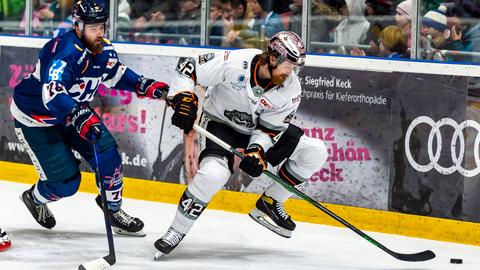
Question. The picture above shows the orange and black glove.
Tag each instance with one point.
(254, 162)
(185, 105)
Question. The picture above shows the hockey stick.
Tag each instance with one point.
(109, 260)
(415, 257)
(156, 167)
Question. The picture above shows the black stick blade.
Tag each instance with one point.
(110, 258)
(415, 257)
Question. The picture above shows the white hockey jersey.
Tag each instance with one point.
(232, 96)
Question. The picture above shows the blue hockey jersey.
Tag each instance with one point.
(67, 74)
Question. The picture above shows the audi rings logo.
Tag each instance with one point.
(457, 137)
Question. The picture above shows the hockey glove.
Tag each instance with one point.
(150, 88)
(185, 105)
(86, 123)
(254, 161)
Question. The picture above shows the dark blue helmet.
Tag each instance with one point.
(89, 12)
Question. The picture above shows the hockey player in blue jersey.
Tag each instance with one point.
(53, 117)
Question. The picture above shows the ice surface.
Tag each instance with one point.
(219, 240)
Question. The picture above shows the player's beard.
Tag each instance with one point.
(277, 80)
(95, 47)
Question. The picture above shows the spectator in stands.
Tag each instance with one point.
(392, 43)
(292, 20)
(379, 7)
(149, 15)
(215, 25)
(353, 28)
(237, 17)
(61, 9)
(41, 13)
(264, 19)
(380, 15)
(461, 20)
(435, 27)
(471, 36)
(282, 6)
(124, 11)
(325, 17)
(189, 22)
(403, 18)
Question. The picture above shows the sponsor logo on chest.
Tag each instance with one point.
(111, 62)
(265, 103)
(240, 83)
(84, 89)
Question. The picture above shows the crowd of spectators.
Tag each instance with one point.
(357, 27)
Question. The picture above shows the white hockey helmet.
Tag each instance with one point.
(287, 46)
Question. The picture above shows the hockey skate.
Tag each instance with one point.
(270, 214)
(4, 241)
(168, 242)
(40, 213)
(122, 223)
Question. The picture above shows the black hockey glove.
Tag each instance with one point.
(185, 105)
(151, 88)
(254, 161)
(86, 123)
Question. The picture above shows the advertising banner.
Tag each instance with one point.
(350, 112)
(428, 145)
(364, 118)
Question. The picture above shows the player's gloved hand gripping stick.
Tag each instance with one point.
(185, 105)
(415, 257)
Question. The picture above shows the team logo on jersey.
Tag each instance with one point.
(84, 89)
(257, 91)
(111, 62)
(56, 70)
(245, 65)
(240, 83)
(240, 118)
(204, 58)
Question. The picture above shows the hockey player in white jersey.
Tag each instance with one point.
(250, 99)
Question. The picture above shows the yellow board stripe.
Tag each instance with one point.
(365, 219)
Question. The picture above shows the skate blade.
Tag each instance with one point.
(158, 256)
(266, 222)
(119, 231)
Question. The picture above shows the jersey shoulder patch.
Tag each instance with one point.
(204, 58)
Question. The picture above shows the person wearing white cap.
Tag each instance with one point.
(403, 18)
(435, 24)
